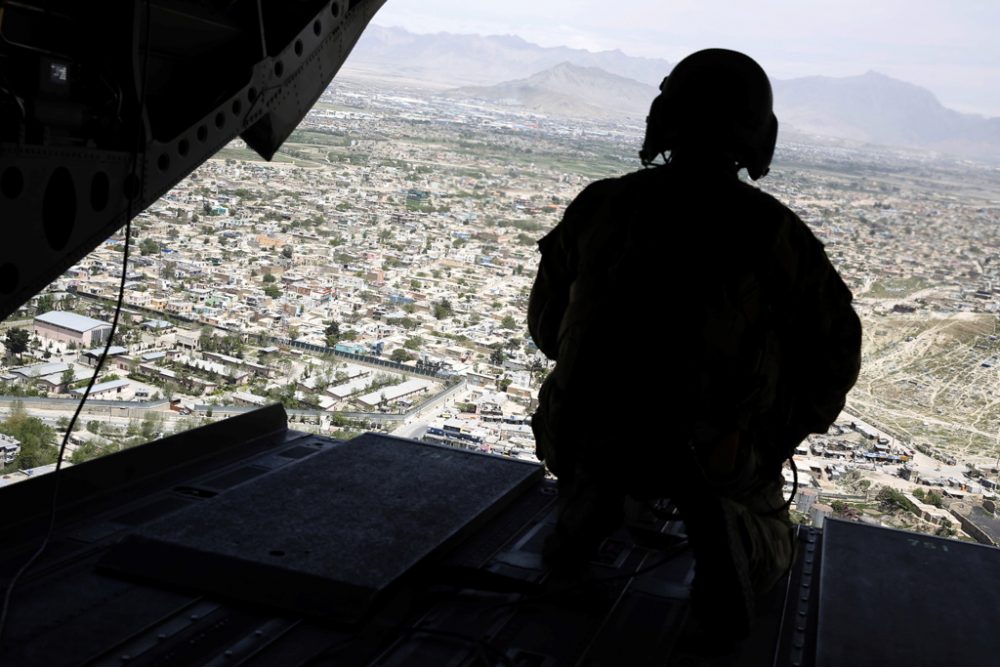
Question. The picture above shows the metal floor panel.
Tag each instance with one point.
(326, 534)
(890, 597)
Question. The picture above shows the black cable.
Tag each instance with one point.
(56, 476)
(787, 505)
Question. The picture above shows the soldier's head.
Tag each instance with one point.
(715, 103)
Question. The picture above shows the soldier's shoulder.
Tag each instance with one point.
(579, 215)
(763, 199)
(786, 221)
(603, 189)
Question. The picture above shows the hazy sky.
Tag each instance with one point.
(951, 48)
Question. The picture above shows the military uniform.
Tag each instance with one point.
(699, 333)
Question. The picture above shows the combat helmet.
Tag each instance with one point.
(714, 100)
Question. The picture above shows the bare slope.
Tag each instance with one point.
(571, 91)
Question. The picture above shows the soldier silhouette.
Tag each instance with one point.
(700, 333)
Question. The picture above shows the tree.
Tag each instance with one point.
(87, 451)
(508, 322)
(67, 377)
(891, 499)
(286, 252)
(497, 356)
(272, 290)
(400, 355)
(17, 341)
(268, 278)
(442, 309)
(45, 304)
(332, 333)
(414, 343)
(152, 424)
(206, 341)
(149, 247)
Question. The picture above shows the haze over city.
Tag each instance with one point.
(948, 47)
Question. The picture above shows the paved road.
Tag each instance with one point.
(414, 430)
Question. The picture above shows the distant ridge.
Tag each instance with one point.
(486, 60)
(870, 108)
(571, 91)
(876, 108)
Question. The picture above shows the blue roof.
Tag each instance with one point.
(71, 321)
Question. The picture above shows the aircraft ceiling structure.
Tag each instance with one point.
(106, 106)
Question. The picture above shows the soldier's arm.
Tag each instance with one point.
(824, 337)
(557, 270)
(549, 295)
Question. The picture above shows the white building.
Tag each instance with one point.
(66, 327)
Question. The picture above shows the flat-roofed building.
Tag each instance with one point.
(47, 375)
(395, 392)
(67, 327)
(104, 390)
(347, 389)
(91, 357)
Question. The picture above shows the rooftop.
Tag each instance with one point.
(71, 321)
(103, 386)
(40, 370)
(394, 392)
(112, 351)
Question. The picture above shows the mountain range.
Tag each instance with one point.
(480, 60)
(561, 81)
